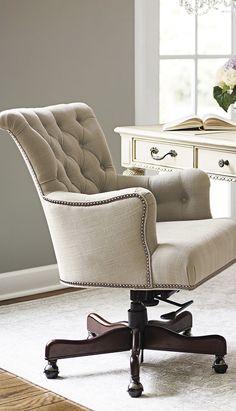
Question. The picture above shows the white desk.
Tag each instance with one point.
(148, 147)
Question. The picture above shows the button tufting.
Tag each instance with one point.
(184, 200)
(71, 150)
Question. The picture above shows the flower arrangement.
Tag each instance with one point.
(225, 90)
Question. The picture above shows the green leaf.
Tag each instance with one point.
(225, 87)
(223, 98)
(234, 93)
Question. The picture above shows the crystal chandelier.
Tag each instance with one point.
(203, 6)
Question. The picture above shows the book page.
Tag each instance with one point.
(213, 121)
(184, 123)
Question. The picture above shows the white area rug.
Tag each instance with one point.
(171, 381)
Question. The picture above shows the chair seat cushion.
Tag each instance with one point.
(189, 252)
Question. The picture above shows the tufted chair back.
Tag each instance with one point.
(64, 145)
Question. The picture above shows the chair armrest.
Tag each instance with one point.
(104, 239)
(180, 195)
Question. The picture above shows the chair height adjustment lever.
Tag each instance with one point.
(172, 315)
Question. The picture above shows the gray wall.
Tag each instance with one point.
(54, 51)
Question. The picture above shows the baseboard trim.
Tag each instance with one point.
(30, 281)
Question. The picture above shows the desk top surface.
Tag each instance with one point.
(215, 138)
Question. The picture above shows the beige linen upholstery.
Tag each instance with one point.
(177, 194)
(191, 251)
(65, 145)
(105, 239)
(103, 226)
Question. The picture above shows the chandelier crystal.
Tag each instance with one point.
(199, 7)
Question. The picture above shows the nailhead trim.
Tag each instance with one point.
(140, 286)
(142, 231)
(25, 157)
(112, 285)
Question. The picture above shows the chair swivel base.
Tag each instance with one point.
(136, 335)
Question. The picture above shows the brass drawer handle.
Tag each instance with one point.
(154, 151)
(223, 163)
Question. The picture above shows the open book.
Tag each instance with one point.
(207, 122)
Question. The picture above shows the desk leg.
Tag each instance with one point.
(134, 172)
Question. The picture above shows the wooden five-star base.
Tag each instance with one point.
(136, 335)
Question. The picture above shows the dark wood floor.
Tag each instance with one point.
(41, 295)
(19, 394)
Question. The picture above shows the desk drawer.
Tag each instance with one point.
(208, 160)
(149, 152)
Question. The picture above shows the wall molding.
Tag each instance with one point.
(146, 61)
(29, 281)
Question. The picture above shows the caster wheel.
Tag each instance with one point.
(187, 333)
(219, 365)
(135, 389)
(51, 370)
(90, 335)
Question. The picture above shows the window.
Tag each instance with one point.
(176, 59)
(191, 49)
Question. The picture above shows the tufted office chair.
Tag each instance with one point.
(104, 232)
